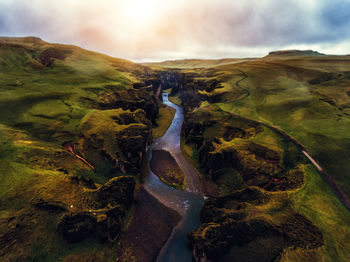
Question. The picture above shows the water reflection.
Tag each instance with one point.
(188, 203)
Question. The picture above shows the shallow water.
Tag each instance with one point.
(188, 203)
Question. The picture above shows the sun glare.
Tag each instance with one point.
(141, 12)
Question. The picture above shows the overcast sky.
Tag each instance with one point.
(144, 30)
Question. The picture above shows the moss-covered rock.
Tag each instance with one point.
(211, 241)
(112, 200)
(229, 230)
(117, 191)
(103, 224)
(164, 165)
(301, 233)
(51, 206)
(131, 99)
(233, 205)
(231, 239)
(292, 179)
(75, 228)
(116, 138)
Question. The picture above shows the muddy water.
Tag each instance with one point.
(188, 203)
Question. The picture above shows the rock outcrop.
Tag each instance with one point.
(131, 99)
(112, 200)
(227, 227)
(237, 223)
(118, 190)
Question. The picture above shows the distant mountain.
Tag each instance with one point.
(196, 63)
(295, 53)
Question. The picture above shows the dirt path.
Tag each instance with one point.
(246, 90)
(338, 191)
(245, 76)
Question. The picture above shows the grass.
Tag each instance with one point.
(164, 165)
(166, 115)
(229, 181)
(317, 202)
(174, 175)
(49, 95)
(175, 99)
(193, 63)
(192, 155)
(282, 96)
(316, 115)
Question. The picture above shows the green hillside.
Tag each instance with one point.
(227, 135)
(195, 63)
(74, 126)
(67, 120)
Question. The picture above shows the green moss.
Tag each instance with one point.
(229, 181)
(50, 95)
(192, 155)
(281, 96)
(317, 202)
(164, 165)
(175, 99)
(166, 115)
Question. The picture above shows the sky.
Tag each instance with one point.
(156, 30)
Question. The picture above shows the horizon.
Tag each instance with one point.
(175, 130)
(154, 30)
(174, 60)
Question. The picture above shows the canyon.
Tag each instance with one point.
(103, 159)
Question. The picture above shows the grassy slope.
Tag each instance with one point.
(281, 95)
(317, 202)
(166, 115)
(42, 104)
(175, 99)
(195, 63)
(41, 107)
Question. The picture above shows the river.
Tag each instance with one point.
(187, 203)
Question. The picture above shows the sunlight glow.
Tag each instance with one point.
(141, 13)
(161, 29)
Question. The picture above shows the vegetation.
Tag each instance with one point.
(193, 63)
(63, 127)
(74, 125)
(166, 115)
(164, 165)
(175, 99)
(306, 97)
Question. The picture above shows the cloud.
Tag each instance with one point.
(336, 14)
(169, 29)
(336, 19)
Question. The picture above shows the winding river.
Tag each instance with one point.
(188, 203)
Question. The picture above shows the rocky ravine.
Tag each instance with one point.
(247, 216)
(72, 151)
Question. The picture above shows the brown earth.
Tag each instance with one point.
(149, 229)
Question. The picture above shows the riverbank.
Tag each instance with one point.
(150, 227)
(237, 152)
(187, 202)
(166, 115)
